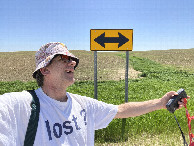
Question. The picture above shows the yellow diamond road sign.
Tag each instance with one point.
(111, 39)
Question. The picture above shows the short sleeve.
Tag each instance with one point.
(104, 114)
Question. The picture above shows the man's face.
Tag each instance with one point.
(61, 70)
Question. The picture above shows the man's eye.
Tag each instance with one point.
(66, 61)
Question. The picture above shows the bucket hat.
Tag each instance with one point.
(47, 52)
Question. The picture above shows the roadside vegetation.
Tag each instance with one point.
(154, 80)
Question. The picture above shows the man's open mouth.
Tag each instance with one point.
(69, 71)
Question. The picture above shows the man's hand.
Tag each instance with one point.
(168, 96)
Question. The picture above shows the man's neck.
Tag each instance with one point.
(56, 93)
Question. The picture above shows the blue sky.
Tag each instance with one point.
(25, 25)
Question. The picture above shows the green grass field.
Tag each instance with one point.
(156, 128)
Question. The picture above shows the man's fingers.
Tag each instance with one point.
(171, 93)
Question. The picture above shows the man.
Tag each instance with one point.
(65, 118)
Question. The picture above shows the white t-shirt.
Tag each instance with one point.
(60, 123)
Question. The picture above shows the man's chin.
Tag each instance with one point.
(72, 82)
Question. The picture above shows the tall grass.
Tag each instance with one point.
(155, 81)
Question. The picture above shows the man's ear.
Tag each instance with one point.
(44, 71)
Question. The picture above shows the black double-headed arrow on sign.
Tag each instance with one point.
(102, 40)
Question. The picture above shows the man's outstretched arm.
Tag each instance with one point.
(133, 109)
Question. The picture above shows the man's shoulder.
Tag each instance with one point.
(16, 94)
(78, 96)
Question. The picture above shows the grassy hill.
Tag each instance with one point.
(20, 65)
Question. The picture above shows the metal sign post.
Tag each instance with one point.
(95, 76)
(126, 76)
(126, 92)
